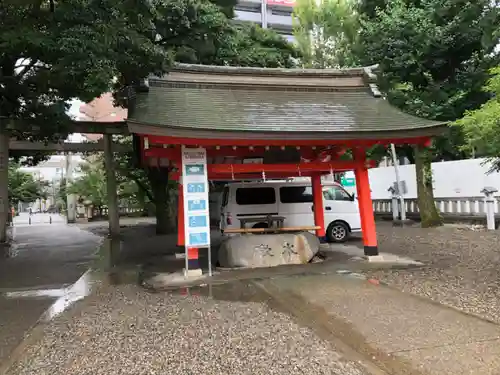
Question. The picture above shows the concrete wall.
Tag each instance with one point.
(460, 178)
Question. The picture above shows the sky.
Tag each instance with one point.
(74, 110)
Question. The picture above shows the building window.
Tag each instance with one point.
(282, 12)
(255, 196)
(296, 194)
(243, 8)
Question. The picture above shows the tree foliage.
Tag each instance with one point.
(325, 32)
(199, 32)
(23, 187)
(434, 57)
(91, 185)
(51, 52)
(482, 126)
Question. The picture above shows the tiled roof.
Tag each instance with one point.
(338, 104)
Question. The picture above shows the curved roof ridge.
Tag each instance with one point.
(341, 72)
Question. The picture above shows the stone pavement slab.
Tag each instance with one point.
(385, 323)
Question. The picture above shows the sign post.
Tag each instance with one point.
(196, 214)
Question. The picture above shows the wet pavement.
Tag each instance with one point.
(39, 269)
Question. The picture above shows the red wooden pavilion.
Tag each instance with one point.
(298, 122)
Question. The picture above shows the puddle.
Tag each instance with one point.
(74, 293)
(39, 293)
(65, 297)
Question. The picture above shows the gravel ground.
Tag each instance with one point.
(462, 266)
(124, 330)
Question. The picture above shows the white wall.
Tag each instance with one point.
(460, 178)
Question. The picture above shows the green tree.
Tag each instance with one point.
(91, 185)
(325, 32)
(56, 51)
(23, 187)
(199, 32)
(482, 126)
(52, 52)
(434, 57)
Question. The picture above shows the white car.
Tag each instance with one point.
(294, 201)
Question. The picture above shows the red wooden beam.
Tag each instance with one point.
(246, 176)
(174, 153)
(155, 139)
(338, 165)
(254, 171)
(308, 153)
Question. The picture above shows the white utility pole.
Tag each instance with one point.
(398, 182)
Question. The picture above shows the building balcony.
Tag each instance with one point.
(249, 3)
(248, 16)
(279, 22)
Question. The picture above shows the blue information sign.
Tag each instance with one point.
(196, 187)
(198, 239)
(195, 170)
(197, 205)
(197, 221)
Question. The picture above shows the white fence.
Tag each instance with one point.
(453, 207)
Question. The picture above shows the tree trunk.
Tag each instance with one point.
(158, 179)
(4, 183)
(429, 214)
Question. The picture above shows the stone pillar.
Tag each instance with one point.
(113, 215)
(4, 185)
(489, 201)
(70, 198)
(319, 213)
(365, 204)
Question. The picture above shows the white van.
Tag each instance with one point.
(294, 201)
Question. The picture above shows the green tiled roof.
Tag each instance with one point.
(279, 102)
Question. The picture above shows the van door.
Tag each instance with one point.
(253, 201)
(223, 208)
(340, 205)
(296, 202)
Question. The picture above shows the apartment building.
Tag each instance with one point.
(272, 14)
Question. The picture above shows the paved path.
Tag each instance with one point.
(43, 261)
(401, 333)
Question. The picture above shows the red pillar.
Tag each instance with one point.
(180, 206)
(365, 204)
(180, 216)
(319, 213)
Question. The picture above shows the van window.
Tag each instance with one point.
(296, 194)
(255, 196)
(336, 193)
(225, 196)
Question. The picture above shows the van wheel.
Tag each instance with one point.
(337, 232)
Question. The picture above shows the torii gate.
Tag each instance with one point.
(106, 145)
